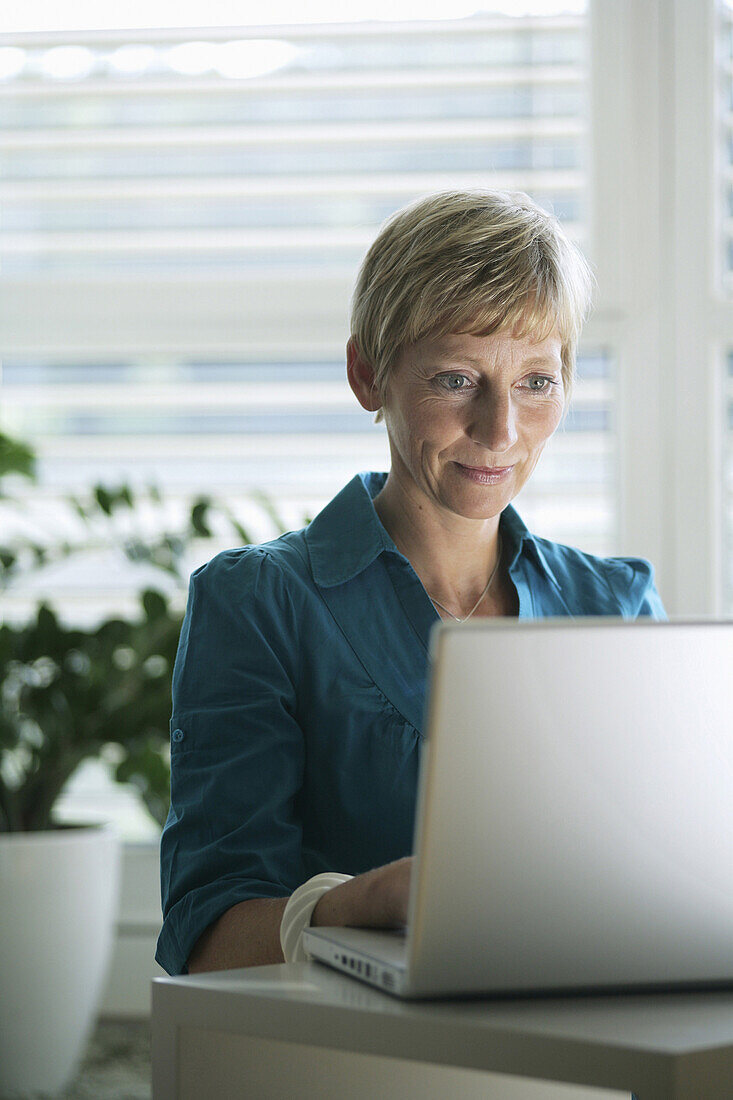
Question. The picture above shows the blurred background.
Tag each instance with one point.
(185, 196)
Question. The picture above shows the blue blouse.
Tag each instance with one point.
(298, 694)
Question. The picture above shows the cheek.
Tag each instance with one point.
(541, 422)
(425, 421)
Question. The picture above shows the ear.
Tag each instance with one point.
(361, 378)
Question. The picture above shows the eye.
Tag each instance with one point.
(454, 382)
(540, 383)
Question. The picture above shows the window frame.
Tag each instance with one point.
(661, 307)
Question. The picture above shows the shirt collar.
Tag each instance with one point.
(347, 535)
(516, 533)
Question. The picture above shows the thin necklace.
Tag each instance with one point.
(478, 601)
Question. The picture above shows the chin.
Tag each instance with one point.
(491, 505)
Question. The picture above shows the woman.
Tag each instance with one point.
(299, 684)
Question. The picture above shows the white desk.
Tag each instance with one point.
(302, 1030)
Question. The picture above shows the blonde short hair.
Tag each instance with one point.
(469, 261)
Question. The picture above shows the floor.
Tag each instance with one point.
(116, 1065)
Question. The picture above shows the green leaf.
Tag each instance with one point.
(155, 604)
(48, 624)
(241, 531)
(147, 768)
(103, 499)
(16, 458)
(198, 518)
(113, 633)
(78, 507)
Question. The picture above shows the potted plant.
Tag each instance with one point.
(66, 694)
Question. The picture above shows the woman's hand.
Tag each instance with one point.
(376, 899)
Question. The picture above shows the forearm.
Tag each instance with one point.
(248, 934)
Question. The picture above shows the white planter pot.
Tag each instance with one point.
(58, 902)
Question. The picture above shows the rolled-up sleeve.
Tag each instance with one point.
(237, 752)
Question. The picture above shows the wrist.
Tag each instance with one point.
(326, 909)
(298, 913)
(386, 901)
(346, 905)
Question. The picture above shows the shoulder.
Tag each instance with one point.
(265, 563)
(250, 599)
(270, 579)
(603, 585)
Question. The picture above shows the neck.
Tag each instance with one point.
(452, 555)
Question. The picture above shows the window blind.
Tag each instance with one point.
(724, 150)
(183, 216)
(724, 51)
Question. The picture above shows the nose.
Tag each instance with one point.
(493, 424)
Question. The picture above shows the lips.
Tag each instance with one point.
(485, 475)
(486, 469)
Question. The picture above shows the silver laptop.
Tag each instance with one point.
(574, 826)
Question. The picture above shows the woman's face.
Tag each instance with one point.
(469, 416)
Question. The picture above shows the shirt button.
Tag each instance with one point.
(177, 735)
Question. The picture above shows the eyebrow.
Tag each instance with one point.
(536, 360)
(539, 359)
